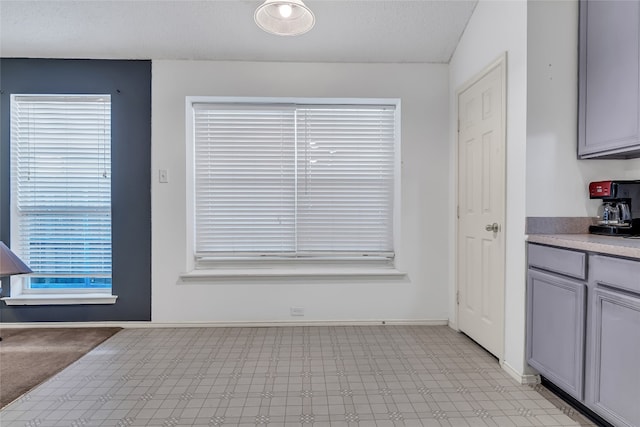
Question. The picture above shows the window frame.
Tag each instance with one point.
(21, 293)
(284, 266)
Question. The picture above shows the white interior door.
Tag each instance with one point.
(481, 207)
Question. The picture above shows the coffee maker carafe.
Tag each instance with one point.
(614, 213)
(619, 213)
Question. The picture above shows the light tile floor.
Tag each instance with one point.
(288, 376)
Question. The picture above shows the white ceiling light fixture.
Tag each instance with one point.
(284, 17)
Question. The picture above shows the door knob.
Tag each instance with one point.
(495, 227)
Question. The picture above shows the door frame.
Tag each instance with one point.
(500, 61)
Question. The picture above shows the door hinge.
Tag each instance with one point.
(458, 211)
(458, 297)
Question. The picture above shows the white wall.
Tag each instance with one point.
(496, 27)
(631, 170)
(424, 249)
(557, 181)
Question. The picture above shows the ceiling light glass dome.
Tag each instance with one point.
(284, 17)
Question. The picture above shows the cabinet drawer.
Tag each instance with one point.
(616, 272)
(563, 261)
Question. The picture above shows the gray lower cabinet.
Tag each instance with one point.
(583, 328)
(614, 341)
(556, 329)
(609, 83)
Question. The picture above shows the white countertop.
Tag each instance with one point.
(618, 246)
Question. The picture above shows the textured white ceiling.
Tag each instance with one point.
(345, 30)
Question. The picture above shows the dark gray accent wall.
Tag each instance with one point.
(129, 83)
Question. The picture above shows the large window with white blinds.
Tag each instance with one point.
(293, 180)
(61, 175)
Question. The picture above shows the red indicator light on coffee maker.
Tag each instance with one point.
(600, 189)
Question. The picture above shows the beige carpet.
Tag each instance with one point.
(30, 356)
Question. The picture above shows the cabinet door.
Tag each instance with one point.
(609, 104)
(556, 329)
(615, 362)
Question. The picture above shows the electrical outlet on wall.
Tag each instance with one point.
(297, 311)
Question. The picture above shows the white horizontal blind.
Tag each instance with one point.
(61, 171)
(293, 180)
(244, 179)
(345, 179)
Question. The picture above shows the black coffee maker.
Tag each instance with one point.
(619, 213)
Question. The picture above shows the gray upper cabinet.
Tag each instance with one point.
(609, 79)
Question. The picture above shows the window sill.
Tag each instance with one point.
(60, 299)
(293, 273)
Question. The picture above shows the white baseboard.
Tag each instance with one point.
(226, 324)
(520, 378)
